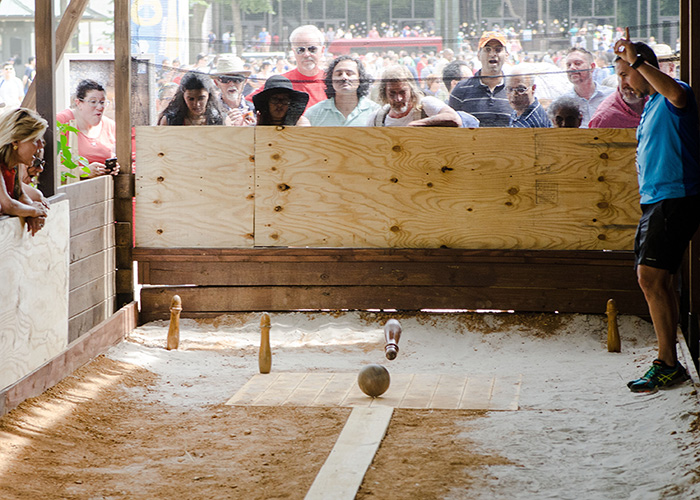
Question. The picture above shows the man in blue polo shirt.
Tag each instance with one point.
(484, 95)
(668, 166)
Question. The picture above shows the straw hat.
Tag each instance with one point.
(663, 52)
(230, 65)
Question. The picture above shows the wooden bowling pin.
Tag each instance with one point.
(265, 355)
(174, 329)
(613, 332)
(392, 334)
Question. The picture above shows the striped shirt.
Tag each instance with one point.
(534, 116)
(491, 108)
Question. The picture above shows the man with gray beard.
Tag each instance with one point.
(621, 109)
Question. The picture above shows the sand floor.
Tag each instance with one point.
(143, 422)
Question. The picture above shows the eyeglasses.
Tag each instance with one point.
(230, 79)
(95, 103)
(284, 101)
(300, 50)
(519, 90)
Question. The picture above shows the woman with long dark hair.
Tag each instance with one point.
(195, 103)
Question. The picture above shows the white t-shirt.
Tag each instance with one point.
(431, 105)
(11, 92)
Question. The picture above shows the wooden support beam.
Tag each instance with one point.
(690, 73)
(66, 28)
(277, 279)
(46, 102)
(123, 208)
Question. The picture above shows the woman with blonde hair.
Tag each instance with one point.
(21, 140)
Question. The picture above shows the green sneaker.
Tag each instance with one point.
(659, 375)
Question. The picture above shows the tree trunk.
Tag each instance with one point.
(196, 35)
(238, 47)
(513, 13)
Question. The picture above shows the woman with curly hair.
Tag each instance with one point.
(347, 86)
(195, 103)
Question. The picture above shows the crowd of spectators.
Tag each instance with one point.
(490, 81)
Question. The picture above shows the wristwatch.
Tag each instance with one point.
(638, 62)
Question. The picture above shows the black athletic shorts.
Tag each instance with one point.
(664, 231)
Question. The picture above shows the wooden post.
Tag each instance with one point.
(124, 182)
(265, 355)
(45, 79)
(690, 73)
(613, 332)
(174, 329)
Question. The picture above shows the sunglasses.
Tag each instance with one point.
(231, 79)
(312, 50)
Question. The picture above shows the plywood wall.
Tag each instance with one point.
(455, 188)
(34, 293)
(194, 187)
(218, 187)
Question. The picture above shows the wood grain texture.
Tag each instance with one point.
(406, 390)
(194, 186)
(487, 274)
(437, 187)
(343, 471)
(92, 253)
(198, 301)
(69, 22)
(448, 255)
(83, 322)
(90, 294)
(34, 295)
(339, 278)
(75, 355)
(122, 84)
(91, 268)
(91, 216)
(89, 191)
(91, 242)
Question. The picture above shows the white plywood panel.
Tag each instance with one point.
(34, 293)
(194, 187)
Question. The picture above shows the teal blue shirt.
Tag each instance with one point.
(325, 114)
(668, 154)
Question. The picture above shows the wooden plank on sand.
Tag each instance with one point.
(343, 472)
